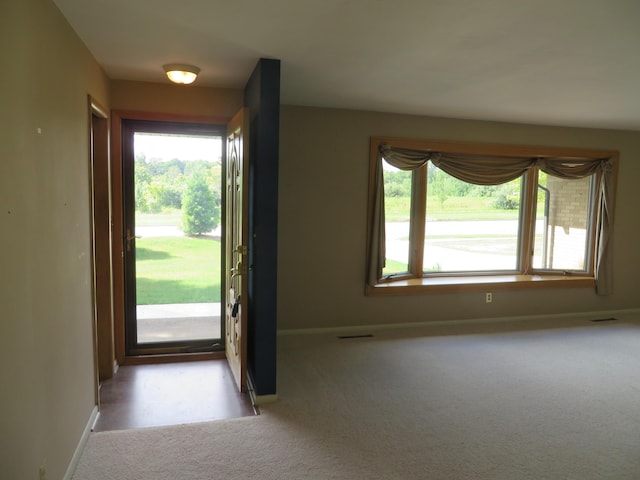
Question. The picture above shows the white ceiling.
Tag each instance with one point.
(556, 62)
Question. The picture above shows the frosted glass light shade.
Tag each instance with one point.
(180, 73)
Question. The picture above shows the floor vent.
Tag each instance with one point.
(610, 319)
(349, 337)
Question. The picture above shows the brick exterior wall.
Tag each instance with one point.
(569, 201)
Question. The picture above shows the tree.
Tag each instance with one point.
(200, 213)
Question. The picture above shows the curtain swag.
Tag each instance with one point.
(495, 170)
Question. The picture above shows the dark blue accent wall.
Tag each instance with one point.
(262, 97)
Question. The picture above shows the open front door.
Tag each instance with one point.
(236, 236)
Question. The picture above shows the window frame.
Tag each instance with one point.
(416, 281)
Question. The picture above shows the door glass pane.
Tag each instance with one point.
(177, 182)
(470, 228)
(562, 223)
(397, 215)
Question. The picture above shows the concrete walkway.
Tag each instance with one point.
(178, 310)
(177, 322)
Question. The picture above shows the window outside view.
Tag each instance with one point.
(562, 225)
(177, 224)
(475, 229)
(470, 227)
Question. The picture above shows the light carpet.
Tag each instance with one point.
(511, 400)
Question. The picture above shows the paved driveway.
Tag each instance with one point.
(456, 248)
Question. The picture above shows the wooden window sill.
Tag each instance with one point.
(418, 286)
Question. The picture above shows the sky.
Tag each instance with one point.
(168, 147)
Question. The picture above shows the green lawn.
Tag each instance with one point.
(454, 208)
(177, 270)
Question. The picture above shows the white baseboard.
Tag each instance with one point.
(81, 444)
(516, 318)
(258, 400)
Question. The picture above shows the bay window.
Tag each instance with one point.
(464, 215)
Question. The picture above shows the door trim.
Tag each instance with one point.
(117, 232)
(101, 238)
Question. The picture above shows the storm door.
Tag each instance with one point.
(172, 184)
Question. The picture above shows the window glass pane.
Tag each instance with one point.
(470, 228)
(562, 222)
(397, 213)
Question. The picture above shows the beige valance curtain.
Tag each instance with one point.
(494, 170)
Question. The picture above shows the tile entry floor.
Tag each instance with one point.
(170, 394)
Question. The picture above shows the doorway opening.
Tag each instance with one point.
(172, 184)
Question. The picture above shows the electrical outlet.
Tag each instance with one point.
(488, 297)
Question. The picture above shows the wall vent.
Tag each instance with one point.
(349, 337)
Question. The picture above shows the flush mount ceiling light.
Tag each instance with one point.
(180, 73)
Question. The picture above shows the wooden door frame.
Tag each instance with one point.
(117, 235)
(101, 239)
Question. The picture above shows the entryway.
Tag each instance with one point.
(170, 394)
(171, 344)
(251, 267)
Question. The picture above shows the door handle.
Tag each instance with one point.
(129, 238)
(237, 271)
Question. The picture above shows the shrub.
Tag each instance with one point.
(507, 197)
(200, 214)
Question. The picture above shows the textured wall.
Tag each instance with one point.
(46, 336)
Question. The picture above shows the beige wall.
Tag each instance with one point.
(175, 99)
(324, 167)
(46, 338)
